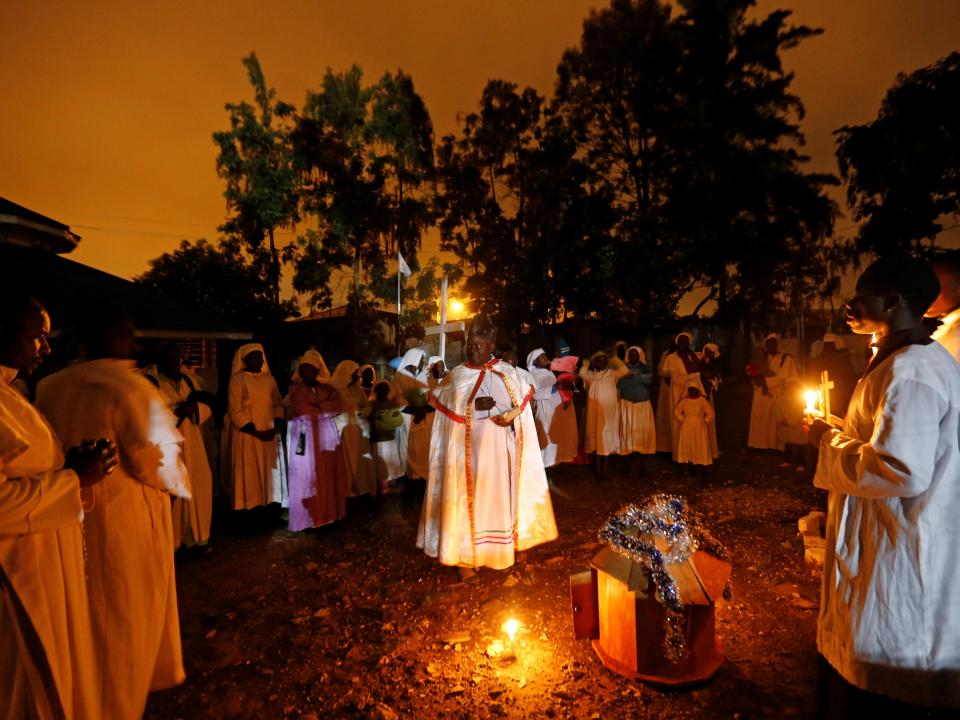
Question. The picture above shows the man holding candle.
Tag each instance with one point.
(889, 624)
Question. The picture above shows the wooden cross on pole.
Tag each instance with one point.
(826, 385)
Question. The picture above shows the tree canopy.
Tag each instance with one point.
(902, 169)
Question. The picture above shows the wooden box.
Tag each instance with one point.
(614, 604)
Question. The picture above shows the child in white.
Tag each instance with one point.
(695, 415)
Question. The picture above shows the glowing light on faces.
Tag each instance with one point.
(510, 627)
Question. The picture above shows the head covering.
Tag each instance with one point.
(433, 360)
(532, 357)
(679, 335)
(772, 336)
(835, 339)
(242, 352)
(565, 364)
(313, 358)
(413, 356)
(372, 369)
(597, 354)
(618, 344)
(343, 374)
(714, 348)
(640, 353)
(394, 364)
(563, 349)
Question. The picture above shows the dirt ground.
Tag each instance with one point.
(353, 621)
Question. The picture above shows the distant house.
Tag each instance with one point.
(332, 333)
(31, 252)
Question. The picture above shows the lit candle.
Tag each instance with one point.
(510, 627)
(811, 397)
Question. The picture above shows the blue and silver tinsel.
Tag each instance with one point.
(633, 532)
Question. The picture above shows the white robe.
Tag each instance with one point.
(257, 468)
(191, 518)
(129, 537)
(763, 410)
(419, 444)
(693, 443)
(481, 514)
(46, 647)
(948, 334)
(680, 379)
(546, 400)
(889, 612)
(603, 409)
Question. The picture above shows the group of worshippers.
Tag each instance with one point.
(332, 436)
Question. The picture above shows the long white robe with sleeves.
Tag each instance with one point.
(603, 409)
(256, 468)
(763, 409)
(128, 530)
(547, 399)
(680, 380)
(47, 664)
(191, 518)
(487, 494)
(890, 606)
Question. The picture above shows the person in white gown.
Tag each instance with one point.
(353, 424)
(776, 368)
(47, 659)
(889, 623)
(681, 368)
(409, 391)
(252, 456)
(183, 392)
(127, 523)
(487, 497)
(602, 437)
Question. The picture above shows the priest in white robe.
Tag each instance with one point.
(128, 530)
(487, 495)
(889, 623)
(184, 395)
(779, 367)
(47, 659)
(252, 458)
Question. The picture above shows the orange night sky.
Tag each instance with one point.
(109, 106)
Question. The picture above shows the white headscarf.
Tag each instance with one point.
(413, 356)
(682, 334)
(532, 357)
(313, 358)
(343, 374)
(772, 336)
(242, 352)
(835, 339)
(714, 348)
(640, 353)
(373, 369)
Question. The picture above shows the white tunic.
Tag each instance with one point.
(693, 444)
(680, 379)
(129, 537)
(948, 334)
(191, 518)
(257, 470)
(481, 514)
(763, 410)
(890, 608)
(603, 409)
(546, 400)
(46, 649)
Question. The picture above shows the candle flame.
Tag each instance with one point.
(510, 627)
(811, 398)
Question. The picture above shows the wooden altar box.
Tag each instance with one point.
(615, 605)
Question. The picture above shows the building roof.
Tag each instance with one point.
(65, 286)
(22, 226)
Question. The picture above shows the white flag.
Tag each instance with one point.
(402, 266)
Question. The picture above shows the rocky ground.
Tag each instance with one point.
(353, 621)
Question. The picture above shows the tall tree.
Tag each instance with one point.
(514, 204)
(690, 123)
(255, 160)
(902, 170)
(365, 154)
